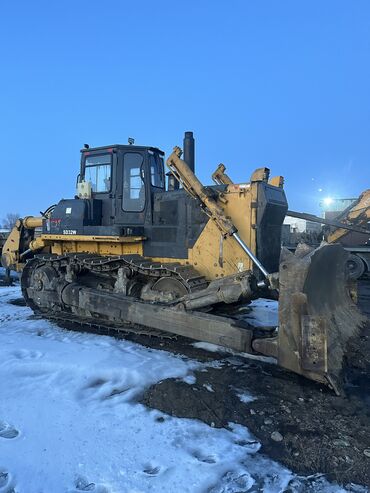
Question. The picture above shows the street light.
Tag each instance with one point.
(328, 201)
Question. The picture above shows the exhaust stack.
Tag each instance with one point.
(189, 150)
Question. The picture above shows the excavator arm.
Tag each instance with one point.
(357, 216)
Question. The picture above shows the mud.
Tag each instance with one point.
(319, 431)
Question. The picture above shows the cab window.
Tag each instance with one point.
(133, 196)
(98, 170)
(156, 170)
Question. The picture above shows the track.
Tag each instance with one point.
(364, 295)
(136, 266)
(117, 294)
(119, 274)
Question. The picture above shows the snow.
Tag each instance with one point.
(208, 387)
(70, 420)
(207, 346)
(264, 312)
(259, 313)
(245, 397)
(189, 379)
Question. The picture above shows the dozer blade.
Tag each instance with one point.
(317, 316)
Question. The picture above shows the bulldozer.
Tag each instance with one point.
(128, 252)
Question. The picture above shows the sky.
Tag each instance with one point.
(282, 84)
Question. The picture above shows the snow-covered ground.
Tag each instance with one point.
(264, 313)
(70, 420)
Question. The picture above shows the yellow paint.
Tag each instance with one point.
(10, 252)
(31, 222)
(205, 255)
(99, 247)
(100, 239)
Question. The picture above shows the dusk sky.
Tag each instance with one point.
(282, 84)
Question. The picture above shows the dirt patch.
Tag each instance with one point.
(299, 423)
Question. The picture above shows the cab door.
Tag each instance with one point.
(98, 169)
(132, 200)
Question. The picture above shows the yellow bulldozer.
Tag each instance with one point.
(129, 252)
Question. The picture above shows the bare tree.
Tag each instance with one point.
(10, 220)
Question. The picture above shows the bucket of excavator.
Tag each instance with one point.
(317, 316)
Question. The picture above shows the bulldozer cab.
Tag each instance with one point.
(124, 179)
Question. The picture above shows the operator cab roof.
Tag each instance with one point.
(124, 147)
